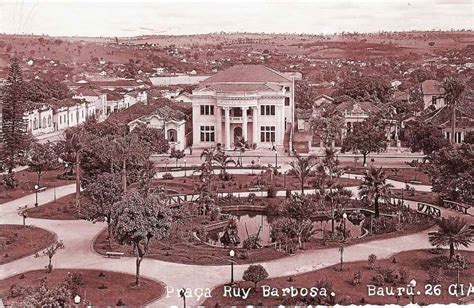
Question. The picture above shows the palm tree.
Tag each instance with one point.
(452, 232)
(223, 160)
(72, 145)
(302, 167)
(453, 90)
(375, 188)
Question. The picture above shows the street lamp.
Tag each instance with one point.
(182, 293)
(232, 255)
(36, 194)
(276, 157)
(412, 284)
(185, 167)
(344, 217)
(77, 299)
(66, 165)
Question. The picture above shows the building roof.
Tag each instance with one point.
(432, 87)
(117, 83)
(242, 87)
(442, 117)
(67, 102)
(357, 107)
(247, 73)
(87, 91)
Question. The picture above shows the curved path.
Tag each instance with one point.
(78, 235)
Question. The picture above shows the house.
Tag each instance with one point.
(39, 120)
(172, 121)
(71, 112)
(250, 102)
(442, 118)
(355, 112)
(322, 99)
(95, 97)
(433, 94)
(183, 97)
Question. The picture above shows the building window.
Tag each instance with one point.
(267, 133)
(207, 110)
(267, 110)
(172, 135)
(287, 101)
(457, 137)
(207, 134)
(49, 121)
(287, 89)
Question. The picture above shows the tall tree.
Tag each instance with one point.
(102, 197)
(425, 137)
(16, 140)
(374, 188)
(453, 89)
(452, 232)
(452, 173)
(365, 138)
(42, 158)
(302, 167)
(138, 220)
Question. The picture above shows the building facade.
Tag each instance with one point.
(253, 103)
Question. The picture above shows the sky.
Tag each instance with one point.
(132, 18)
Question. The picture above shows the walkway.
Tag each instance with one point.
(78, 236)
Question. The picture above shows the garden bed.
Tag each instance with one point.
(18, 241)
(101, 288)
(420, 196)
(61, 209)
(416, 263)
(409, 175)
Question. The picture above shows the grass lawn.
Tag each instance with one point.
(416, 263)
(17, 241)
(117, 286)
(399, 174)
(61, 209)
(420, 196)
(27, 181)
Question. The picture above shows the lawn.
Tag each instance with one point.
(101, 288)
(400, 174)
(415, 264)
(17, 241)
(61, 209)
(27, 181)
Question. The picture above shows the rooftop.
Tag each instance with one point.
(433, 87)
(247, 74)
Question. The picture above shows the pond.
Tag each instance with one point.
(249, 223)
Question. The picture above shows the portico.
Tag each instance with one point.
(238, 117)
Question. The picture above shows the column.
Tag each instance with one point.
(227, 128)
(244, 123)
(255, 125)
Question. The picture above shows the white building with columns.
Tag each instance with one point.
(253, 102)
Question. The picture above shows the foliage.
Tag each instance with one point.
(381, 225)
(255, 274)
(41, 158)
(434, 274)
(45, 296)
(15, 139)
(469, 137)
(51, 251)
(9, 180)
(425, 137)
(378, 280)
(152, 138)
(302, 168)
(452, 232)
(102, 198)
(305, 95)
(374, 188)
(271, 191)
(167, 176)
(41, 90)
(372, 259)
(373, 88)
(357, 278)
(453, 90)
(177, 154)
(452, 173)
(369, 136)
(138, 220)
(328, 126)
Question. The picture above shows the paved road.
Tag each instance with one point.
(78, 236)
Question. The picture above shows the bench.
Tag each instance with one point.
(41, 189)
(111, 254)
(460, 207)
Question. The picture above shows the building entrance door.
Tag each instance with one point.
(237, 134)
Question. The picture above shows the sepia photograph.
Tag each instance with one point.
(236, 153)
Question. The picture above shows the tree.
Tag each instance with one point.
(138, 220)
(452, 232)
(70, 150)
(305, 95)
(102, 198)
(374, 188)
(453, 89)
(425, 137)
(328, 126)
(452, 173)
(469, 137)
(51, 251)
(365, 138)
(374, 88)
(255, 274)
(302, 168)
(177, 154)
(223, 160)
(15, 138)
(153, 138)
(42, 158)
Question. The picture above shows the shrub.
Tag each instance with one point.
(120, 302)
(214, 213)
(378, 280)
(255, 274)
(168, 176)
(356, 278)
(271, 192)
(251, 198)
(16, 290)
(389, 274)
(404, 273)
(372, 260)
(10, 181)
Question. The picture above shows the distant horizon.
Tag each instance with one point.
(108, 19)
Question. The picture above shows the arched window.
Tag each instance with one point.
(172, 135)
(35, 123)
(44, 122)
(49, 121)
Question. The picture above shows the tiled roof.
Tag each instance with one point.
(240, 87)
(433, 87)
(87, 91)
(357, 107)
(67, 102)
(117, 83)
(443, 115)
(247, 73)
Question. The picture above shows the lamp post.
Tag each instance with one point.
(66, 165)
(182, 293)
(232, 255)
(344, 217)
(36, 194)
(185, 167)
(77, 300)
(412, 284)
